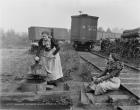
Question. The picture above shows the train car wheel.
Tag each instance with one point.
(90, 47)
(75, 46)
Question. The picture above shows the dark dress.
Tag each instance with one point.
(110, 78)
(54, 43)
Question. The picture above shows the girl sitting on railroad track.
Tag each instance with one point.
(109, 79)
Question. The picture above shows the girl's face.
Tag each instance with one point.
(45, 36)
(110, 58)
(46, 40)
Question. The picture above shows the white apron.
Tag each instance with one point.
(52, 66)
(111, 84)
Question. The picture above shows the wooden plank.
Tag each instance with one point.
(132, 80)
(84, 99)
(17, 94)
(92, 57)
(133, 88)
(102, 68)
(114, 98)
(138, 88)
(129, 78)
(134, 83)
(137, 107)
(32, 93)
(95, 63)
(131, 85)
(125, 71)
(89, 95)
(49, 87)
(89, 54)
(33, 106)
(91, 98)
(132, 75)
(135, 91)
(92, 63)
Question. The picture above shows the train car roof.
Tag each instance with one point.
(85, 15)
(46, 27)
(132, 30)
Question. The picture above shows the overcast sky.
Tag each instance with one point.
(21, 14)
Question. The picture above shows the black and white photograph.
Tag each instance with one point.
(69, 55)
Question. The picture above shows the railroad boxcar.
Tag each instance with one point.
(83, 31)
(133, 33)
(131, 39)
(57, 33)
(34, 33)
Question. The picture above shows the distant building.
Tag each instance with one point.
(110, 35)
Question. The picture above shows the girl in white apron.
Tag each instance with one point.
(48, 56)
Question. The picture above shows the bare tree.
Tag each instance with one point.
(117, 30)
(108, 30)
(100, 29)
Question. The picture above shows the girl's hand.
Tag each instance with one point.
(98, 80)
(95, 75)
(51, 52)
(94, 78)
(37, 58)
(50, 55)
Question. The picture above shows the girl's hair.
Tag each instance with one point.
(45, 32)
(115, 56)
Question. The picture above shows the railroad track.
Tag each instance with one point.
(125, 64)
(130, 76)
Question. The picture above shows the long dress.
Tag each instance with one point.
(51, 66)
(110, 77)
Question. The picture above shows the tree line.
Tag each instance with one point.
(13, 39)
(113, 30)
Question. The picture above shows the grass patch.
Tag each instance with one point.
(86, 72)
(16, 64)
(70, 60)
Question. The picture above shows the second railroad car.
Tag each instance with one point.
(84, 31)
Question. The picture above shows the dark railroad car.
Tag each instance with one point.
(61, 34)
(84, 31)
(57, 33)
